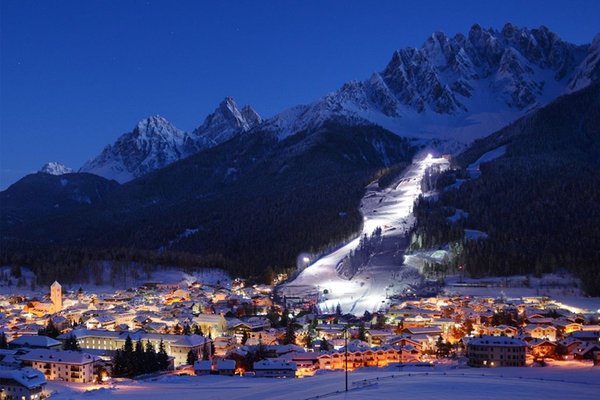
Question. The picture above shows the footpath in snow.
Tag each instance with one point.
(391, 210)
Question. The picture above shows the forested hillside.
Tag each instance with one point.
(250, 205)
(539, 203)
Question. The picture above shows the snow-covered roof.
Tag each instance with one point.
(203, 365)
(58, 356)
(500, 341)
(225, 364)
(28, 377)
(182, 340)
(271, 364)
(35, 341)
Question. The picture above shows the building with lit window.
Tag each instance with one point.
(64, 365)
(22, 384)
(496, 351)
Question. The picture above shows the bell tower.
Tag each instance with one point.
(56, 296)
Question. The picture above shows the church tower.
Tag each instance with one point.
(56, 296)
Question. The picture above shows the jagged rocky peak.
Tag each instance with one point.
(157, 126)
(251, 116)
(152, 144)
(589, 70)
(227, 121)
(459, 87)
(55, 168)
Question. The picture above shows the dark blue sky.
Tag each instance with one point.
(76, 74)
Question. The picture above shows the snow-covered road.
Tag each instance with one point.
(390, 209)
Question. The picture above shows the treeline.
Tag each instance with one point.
(254, 204)
(359, 257)
(131, 361)
(78, 265)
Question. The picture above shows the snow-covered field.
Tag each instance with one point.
(564, 381)
(390, 209)
(167, 275)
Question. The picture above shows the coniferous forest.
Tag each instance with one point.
(539, 204)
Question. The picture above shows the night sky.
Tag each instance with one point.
(77, 74)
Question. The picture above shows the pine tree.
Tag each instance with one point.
(138, 356)
(325, 345)
(187, 330)
(192, 357)
(118, 369)
(150, 358)
(71, 343)
(362, 332)
(177, 330)
(290, 334)
(3, 341)
(50, 330)
(128, 358)
(198, 330)
(162, 357)
(205, 351)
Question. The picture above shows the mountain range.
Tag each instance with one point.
(451, 90)
(255, 193)
(155, 143)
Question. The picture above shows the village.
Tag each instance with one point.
(248, 330)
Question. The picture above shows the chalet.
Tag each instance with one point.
(202, 367)
(275, 369)
(215, 324)
(541, 332)
(587, 351)
(565, 326)
(23, 384)
(224, 344)
(502, 330)
(542, 348)
(586, 336)
(496, 351)
(104, 321)
(226, 367)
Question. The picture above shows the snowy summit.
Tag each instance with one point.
(55, 168)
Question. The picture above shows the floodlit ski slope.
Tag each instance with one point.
(391, 209)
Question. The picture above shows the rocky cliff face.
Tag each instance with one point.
(155, 143)
(456, 88)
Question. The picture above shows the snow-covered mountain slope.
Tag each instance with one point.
(444, 94)
(458, 88)
(589, 70)
(155, 143)
(227, 121)
(55, 168)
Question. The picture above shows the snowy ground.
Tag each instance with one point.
(390, 209)
(567, 380)
(166, 275)
(473, 169)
